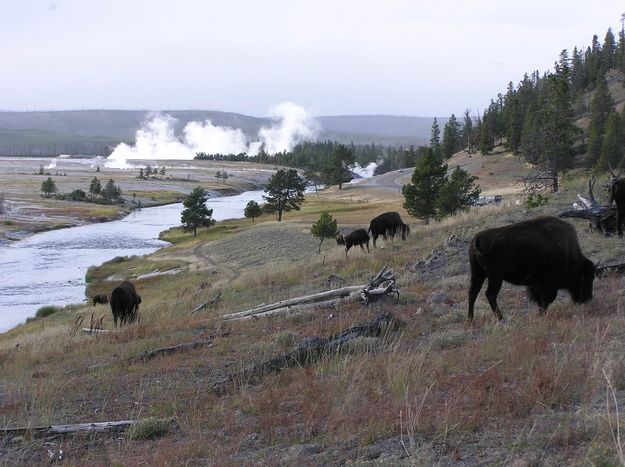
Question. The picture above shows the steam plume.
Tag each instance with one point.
(156, 138)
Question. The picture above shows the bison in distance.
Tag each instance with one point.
(125, 303)
(387, 224)
(358, 237)
(617, 193)
(542, 254)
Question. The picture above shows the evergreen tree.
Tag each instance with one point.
(312, 178)
(435, 139)
(421, 195)
(607, 53)
(285, 192)
(148, 171)
(196, 214)
(252, 210)
(95, 188)
(557, 121)
(619, 54)
(141, 174)
(324, 227)
(48, 187)
(458, 193)
(467, 130)
(162, 172)
(336, 171)
(613, 141)
(451, 137)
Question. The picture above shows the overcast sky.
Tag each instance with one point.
(333, 57)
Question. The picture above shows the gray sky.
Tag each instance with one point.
(424, 58)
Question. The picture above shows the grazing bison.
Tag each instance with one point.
(125, 303)
(358, 237)
(101, 298)
(541, 253)
(387, 223)
(617, 193)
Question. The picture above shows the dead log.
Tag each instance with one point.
(602, 218)
(81, 428)
(318, 297)
(212, 302)
(97, 331)
(288, 310)
(146, 356)
(373, 289)
(308, 351)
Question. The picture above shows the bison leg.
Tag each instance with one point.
(543, 294)
(362, 246)
(477, 279)
(494, 286)
(619, 221)
(367, 246)
(375, 237)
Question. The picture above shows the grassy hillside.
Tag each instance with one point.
(533, 390)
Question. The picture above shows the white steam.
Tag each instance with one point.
(156, 139)
(364, 172)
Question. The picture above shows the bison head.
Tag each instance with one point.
(340, 240)
(581, 292)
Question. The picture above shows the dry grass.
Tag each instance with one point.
(533, 388)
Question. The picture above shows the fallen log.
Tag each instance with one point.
(318, 297)
(308, 351)
(80, 428)
(97, 331)
(373, 289)
(300, 308)
(212, 302)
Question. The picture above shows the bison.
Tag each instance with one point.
(541, 253)
(358, 237)
(387, 223)
(101, 298)
(125, 303)
(617, 193)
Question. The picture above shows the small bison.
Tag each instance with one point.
(617, 193)
(101, 298)
(358, 237)
(125, 303)
(388, 223)
(542, 254)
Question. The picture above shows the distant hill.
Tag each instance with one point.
(97, 131)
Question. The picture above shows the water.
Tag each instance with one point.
(49, 268)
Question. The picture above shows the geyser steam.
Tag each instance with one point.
(156, 139)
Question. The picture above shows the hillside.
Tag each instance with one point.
(431, 391)
(21, 132)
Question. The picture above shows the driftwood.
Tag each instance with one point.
(330, 298)
(306, 299)
(602, 218)
(212, 302)
(81, 428)
(308, 351)
(149, 355)
(373, 289)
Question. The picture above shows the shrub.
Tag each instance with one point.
(46, 311)
(150, 428)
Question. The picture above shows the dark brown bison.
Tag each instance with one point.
(125, 303)
(617, 193)
(101, 298)
(541, 253)
(387, 224)
(358, 237)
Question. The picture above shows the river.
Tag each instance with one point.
(49, 268)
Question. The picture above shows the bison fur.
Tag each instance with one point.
(388, 224)
(125, 303)
(101, 298)
(358, 237)
(542, 254)
(617, 194)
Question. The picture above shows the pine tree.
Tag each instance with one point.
(48, 187)
(95, 188)
(557, 121)
(336, 170)
(324, 227)
(613, 141)
(285, 192)
(451, 137)
(421, 195)
(252, 210)
(196, 214)
(435, 139)
(467, 130)
(458, 193)
(607, 53)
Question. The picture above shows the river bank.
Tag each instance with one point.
(24, 211)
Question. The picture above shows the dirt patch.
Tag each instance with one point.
(447, 261)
